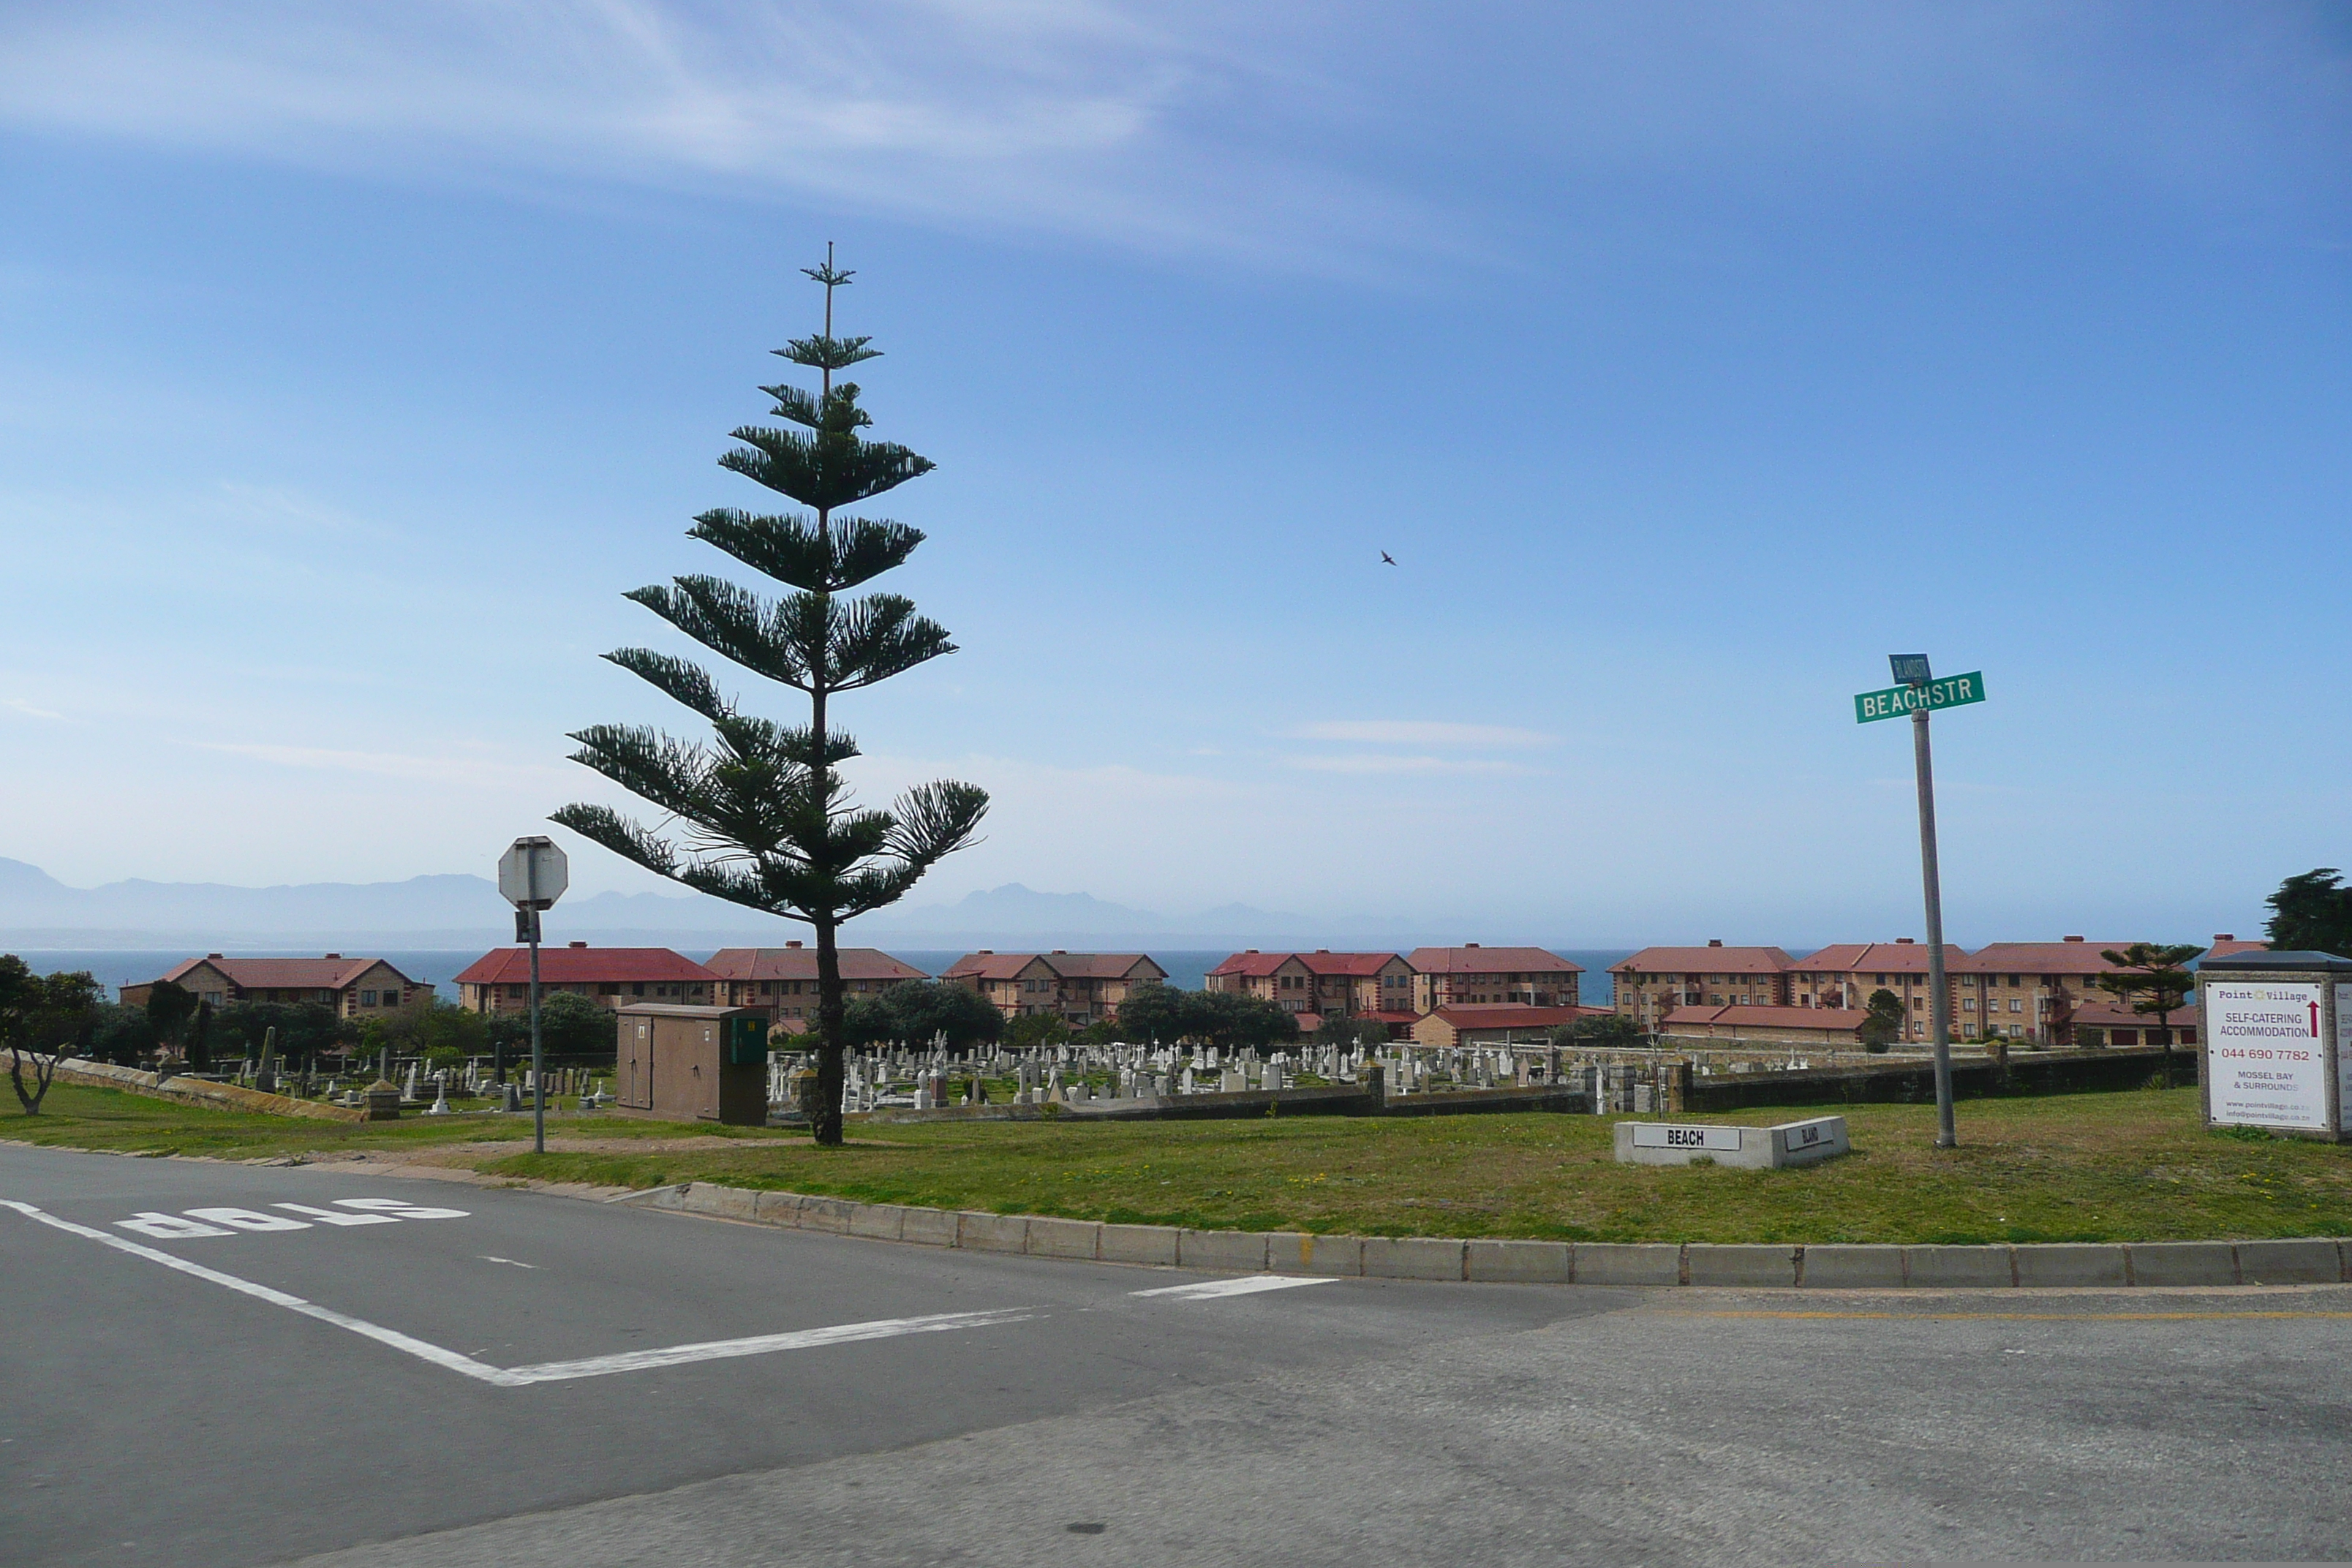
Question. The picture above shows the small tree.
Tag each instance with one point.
(1031, 1031)
(920, 1011)
(2149, 976)
(170, 1006)
(1605, 1031)
(766, 818)
(1883, 1020)
(41, 1016)
(1154, 1012)
(2312, 913)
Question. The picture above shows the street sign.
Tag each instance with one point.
(1902, 701)
(533, 874)
(1910, 668)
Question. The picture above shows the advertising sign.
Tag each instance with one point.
(2267, 1059)
(2344, 1059)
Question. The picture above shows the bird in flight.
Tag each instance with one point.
(1387, 557)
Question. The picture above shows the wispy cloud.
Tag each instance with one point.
(1390, 762)
(19, 705)
(1423, 733)
(391, 765)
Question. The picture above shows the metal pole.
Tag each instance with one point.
(1939, 1000)
(538, 1062)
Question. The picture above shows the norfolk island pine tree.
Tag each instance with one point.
(762, 815)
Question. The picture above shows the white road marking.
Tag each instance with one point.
(507, 1261)
(1247, 1285)
(546, 1372)
(329, 1217)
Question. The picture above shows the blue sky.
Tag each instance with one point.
(1689, 359)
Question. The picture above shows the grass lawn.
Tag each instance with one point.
(2087, 1167)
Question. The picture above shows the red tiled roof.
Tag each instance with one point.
(1703, 960)
(582, 965)
(1513, 1015)
(1883, 958)
(1391, 1016)
(1259, 964)
(285, 974)
(1771, 1017)
(2114, 1015)
(2224, 946)
(2048, 957)
(1489, 961)
(1068, 965)
(797, 962)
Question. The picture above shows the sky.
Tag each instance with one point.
(1688, 358)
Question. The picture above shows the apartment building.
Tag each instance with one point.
(1655, 981)
(1322, 984)
(782, 980)
(1471, 977)
(500, 981)
(1700, 1027)
(1083, 987)
(1508, 1023)
(1843, 975)
(353, 987)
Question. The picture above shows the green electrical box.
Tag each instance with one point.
(747, 1042)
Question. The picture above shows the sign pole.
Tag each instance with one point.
(537, 1062)
(1939, 1000)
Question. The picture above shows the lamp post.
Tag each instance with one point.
(532, 875)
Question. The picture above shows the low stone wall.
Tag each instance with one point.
(2320, 1261)
(200, 1091)
(1914, 1082)
(1342, 1100)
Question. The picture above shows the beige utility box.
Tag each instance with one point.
(703, 1064)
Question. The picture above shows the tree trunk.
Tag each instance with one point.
(826, 1119)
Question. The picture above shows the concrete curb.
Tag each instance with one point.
(2316, 1261)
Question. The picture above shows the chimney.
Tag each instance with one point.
(577, 945)
(1322, 950)
(2223, 936)
(1905, 941)
(1469, 944)
(334, 955)
(1715, 942)
(1247, 949)
(211, 955)
(1061, 952)
(2073, 938)
(988, 953)
(791, 945)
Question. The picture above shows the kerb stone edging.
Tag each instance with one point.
(2315, 1261)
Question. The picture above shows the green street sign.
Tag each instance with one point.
(1900, 702)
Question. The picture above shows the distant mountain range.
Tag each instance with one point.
(37, 910)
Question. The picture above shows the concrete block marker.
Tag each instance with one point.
(1628, 1262)
(878, 1222)
(830, 1215)
(2063, 1263)
(778, 1208)
(2310, 1262)
(928, 1227)
(1302, 1252)
(1966, 1268)
(1153, 1245)
(992, 1232)
(1843, 1267)
(1744, 1147)
(1741, 1265)
(2183, 1263)
(1076, 1239)
(1413, 1258)
(1522, 1262)
(1236, 1251)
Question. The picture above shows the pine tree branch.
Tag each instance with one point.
(877, 637)
(827, 471)
(688, 683)
(731, 622)
(795, 551)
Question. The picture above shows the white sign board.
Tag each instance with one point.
(2343, 1058)
(533, 874)
(2268, 1061)
(1713, 1140)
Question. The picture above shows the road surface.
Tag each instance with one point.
(223, 1364)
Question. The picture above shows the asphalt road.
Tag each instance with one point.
(408, 1371)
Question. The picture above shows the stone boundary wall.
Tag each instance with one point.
(1906, 1082)
(1342, 1100)
(200, 1091)
(2316, 1261)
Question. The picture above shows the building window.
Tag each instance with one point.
(367, 998)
